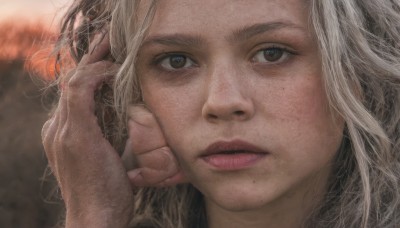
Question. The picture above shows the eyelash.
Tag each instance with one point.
(168, 56)
(286, 53)
(158, 61)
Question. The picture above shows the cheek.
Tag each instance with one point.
(302, 105)
(310, 134)
(176, 109)
(303, 102)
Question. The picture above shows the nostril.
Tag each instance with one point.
(235, 113)
(212, 116)
(239, 113)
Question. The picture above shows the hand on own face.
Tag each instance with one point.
(157, 164)
(94, 183)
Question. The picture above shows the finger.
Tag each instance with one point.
(144, 132)
(48, 137)
(91, 76)
(177, 178)
(145, 177)
(128, 157)
(159, 159)
(48, 134)
(61, 110)
(99, 48)
(82, 86)
(52, 128)
(63, 84)
(138, 178)
(157, 166)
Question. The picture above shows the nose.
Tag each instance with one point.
(228, 96)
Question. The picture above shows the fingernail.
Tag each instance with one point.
(135, 109)
(136, 178)
(134, 173)
(140, 115)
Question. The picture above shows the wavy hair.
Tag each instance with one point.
(359, 47)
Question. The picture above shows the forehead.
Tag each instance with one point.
(216, 16)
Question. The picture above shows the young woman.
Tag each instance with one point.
(256, 113)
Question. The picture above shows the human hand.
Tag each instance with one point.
(148, 147)
(91, 176)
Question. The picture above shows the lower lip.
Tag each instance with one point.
(233, 161)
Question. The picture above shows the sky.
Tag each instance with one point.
(33, 18)
(31, 10)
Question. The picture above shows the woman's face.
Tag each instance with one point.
(236, 87)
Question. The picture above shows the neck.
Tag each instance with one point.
(220, 218)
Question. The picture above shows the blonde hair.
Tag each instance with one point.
(359, 45)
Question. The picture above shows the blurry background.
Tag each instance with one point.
(27, 27)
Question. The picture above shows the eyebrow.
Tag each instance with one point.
(239, 35)
(257, 29)
(175, 40)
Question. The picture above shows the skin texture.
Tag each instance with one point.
(226, 90)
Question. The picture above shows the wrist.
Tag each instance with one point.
(103, 218)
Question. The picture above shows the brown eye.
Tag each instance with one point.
(176, 62)
(273, 54)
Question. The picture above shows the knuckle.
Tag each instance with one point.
(69, 75)
(165, 151)
(80, 78)
(65, 139)
(75, 82)
(88, 77)
(74, 139)
(64, 80)
(158, 158)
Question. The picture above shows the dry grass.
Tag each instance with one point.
(23, 191)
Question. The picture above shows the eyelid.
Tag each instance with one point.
(288, 52)
(158, 59)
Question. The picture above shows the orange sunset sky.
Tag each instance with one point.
(28, 10)
(27, 30)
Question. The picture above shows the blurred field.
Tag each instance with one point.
(24, 189)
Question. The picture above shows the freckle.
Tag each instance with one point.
(254, 181)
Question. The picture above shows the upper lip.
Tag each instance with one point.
(231, 146)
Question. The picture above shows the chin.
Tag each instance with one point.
(243, 198)
(239, 205)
